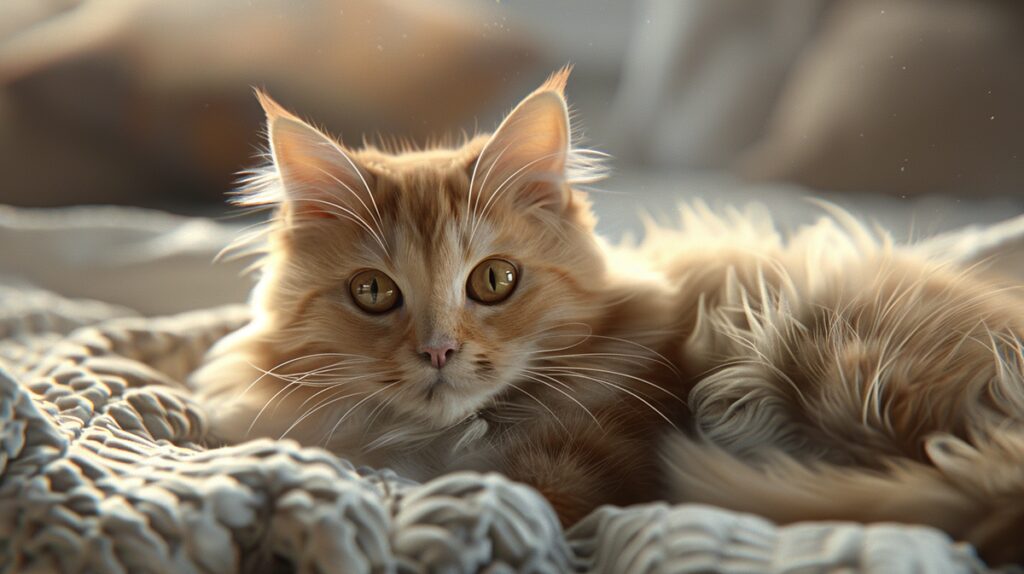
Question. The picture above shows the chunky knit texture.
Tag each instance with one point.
(103, 469)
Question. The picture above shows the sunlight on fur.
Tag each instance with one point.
(450, 308)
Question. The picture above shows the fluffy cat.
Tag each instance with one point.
(452, 308)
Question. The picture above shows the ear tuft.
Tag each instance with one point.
(556, 82)
(271, 108)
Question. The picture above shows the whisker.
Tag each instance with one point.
(335, 387)
(583, 338)
(623, 357)
(351, 216)
(376, 220)
(379, 409)
(559, 326)
(476, 204)
(333, 383)
(316, 408)
(504, 186)
(627, 391)
(539, 402)
(501, 189)
(349, 189)
(666, 362)
(294, 386)
(323, 372)
(288, 362)
(354, 407)
(617, 374)
(356, 169)
(533, 377)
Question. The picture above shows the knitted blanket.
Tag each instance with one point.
(103, 469)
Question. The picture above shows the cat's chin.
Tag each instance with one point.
(447, 403)
(440, 416)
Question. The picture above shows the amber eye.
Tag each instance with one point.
(492, 281)
(374, 291)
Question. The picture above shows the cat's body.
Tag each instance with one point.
(833, 375)
(845, 377)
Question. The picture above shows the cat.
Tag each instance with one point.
(450, 308)
(443, 309)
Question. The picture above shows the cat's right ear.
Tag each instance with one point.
(318, 177)
(526, 158)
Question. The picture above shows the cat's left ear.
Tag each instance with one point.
(526, 158)
(318, 177)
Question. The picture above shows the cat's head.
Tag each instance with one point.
(427, 278)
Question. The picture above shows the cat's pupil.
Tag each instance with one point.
(374, 289)
(492, 279)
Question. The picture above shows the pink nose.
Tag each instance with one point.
(438, 355)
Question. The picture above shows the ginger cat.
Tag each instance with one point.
(452, 308)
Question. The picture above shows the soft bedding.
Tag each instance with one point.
(103, 468)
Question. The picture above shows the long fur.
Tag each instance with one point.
(830, 374)
(850, 378)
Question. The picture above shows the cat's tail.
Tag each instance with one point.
(974, 493)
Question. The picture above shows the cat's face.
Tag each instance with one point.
(436, 277)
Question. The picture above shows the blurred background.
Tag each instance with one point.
(909, 112)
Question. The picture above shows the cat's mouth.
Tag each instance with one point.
(434, 385)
